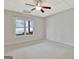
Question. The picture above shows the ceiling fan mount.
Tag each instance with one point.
(38, 6)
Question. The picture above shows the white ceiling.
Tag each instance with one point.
(57, 6)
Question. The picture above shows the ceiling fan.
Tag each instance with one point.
(38, 6)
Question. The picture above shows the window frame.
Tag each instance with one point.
(29, 32)
(19, 27)
(29, 28)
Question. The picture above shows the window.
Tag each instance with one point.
(29, 27)
(19, 27)
(24, 27)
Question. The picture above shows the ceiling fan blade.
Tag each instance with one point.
(42, 10)
(29, 4)
(46, 7)
(33, 9)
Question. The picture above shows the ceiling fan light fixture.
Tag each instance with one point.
(38, 8)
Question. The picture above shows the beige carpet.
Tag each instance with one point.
(45, 50)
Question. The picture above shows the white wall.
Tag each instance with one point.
(60, 27)
(10, 36)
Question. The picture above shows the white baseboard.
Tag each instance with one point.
(60, 43)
